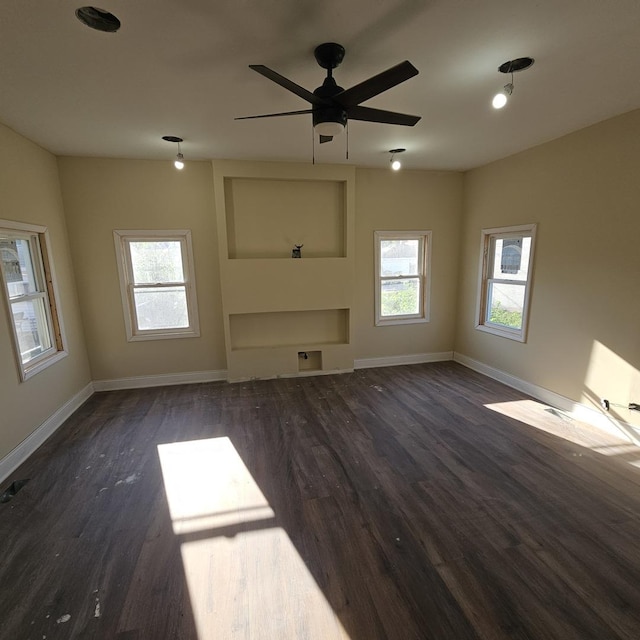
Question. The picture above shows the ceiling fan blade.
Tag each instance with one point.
(377, 84)
(274, 115)
(324, 139)
(287, 84)
(379, 115)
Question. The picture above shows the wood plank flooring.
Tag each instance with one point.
(418, 502)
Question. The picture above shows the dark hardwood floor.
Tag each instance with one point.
(415, 502)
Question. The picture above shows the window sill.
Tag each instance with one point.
(384, 322)
(518, 336)
(142, 337)
(29, 372)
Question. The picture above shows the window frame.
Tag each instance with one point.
(122, 238)
(484, 281)
(46, 289)
(424, 277)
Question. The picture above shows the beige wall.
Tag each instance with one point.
(414, 201)
(30, 193)
(101, 195)
(583, 190)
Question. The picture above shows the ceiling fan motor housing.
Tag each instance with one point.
(331, 112)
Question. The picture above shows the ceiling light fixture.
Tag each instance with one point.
(395, 163)
(329, 121)
(511, 66)
(178, 163)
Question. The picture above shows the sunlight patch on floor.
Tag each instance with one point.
(246, 579)
(559, 424)
(209, 487)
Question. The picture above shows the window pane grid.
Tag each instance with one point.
(156, 277)
(159, 285)
(401, 277)
(29, 287)
(518, 283)
(383, 278)
(505, 280)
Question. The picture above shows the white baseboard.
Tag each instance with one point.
(579, 411)
(17, 456)
(392, 361)
(162, 380)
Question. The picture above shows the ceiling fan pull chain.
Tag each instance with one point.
(347, 131)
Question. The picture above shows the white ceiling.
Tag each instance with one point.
(181, 68)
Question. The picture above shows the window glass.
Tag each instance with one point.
(156, 261)
(510, 257)
(18, 265)
(400, 297)
(505, 304)
(164, 308)
(32, 328)
(399, 257)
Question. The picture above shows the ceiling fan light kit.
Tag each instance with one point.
(331, 105)
(395, 163)
(178, 163)
(510, 66)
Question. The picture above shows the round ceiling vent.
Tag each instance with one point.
(519, 64)
(98, 19)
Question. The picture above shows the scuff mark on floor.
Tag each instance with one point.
(134, 477)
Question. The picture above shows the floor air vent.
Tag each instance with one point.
(14, 487)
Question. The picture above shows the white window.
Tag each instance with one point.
(504, 288)
(402, 276)
(30, 294)
(157, 284)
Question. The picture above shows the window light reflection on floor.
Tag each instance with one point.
(557, 423)
(245, 577)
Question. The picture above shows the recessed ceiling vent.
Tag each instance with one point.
(98, 19)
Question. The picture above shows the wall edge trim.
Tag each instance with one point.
(576, 410)
(161, 380)
(392, 361)
(41, 434)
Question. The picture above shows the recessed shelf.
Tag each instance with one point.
(289, 328)
(266, 218)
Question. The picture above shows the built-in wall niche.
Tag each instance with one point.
(289, 328)
(309, 361)
(266, 218)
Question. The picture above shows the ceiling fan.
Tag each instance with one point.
(331, 105)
